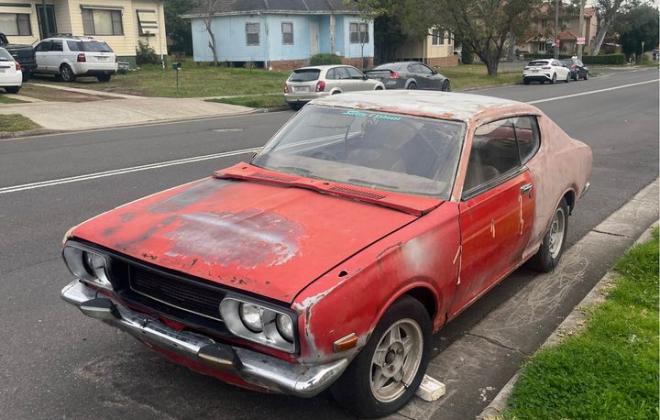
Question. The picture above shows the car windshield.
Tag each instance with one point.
(89, 46)
(538, 63)
(305, 75)
(5, 56)
(374, 149)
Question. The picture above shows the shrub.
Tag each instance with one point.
(324, 59)
(467, 56)
(604, 59)
(144, 54)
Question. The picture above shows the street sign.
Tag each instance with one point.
(581, 40)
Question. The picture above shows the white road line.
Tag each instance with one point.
(591, 92)
(42, 184)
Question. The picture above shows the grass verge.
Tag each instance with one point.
(9, 100)
(263, 101)
(472, 76)
(610, 370)
(12, 123)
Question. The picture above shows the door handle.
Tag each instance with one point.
(526, 189)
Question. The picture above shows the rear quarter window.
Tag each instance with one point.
(306, 75)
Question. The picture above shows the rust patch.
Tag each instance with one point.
(249, 238)
(124, 245)
(189, 196)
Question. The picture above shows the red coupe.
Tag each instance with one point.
(367, 223)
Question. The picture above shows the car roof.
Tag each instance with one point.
(325, 67)
(464, 107)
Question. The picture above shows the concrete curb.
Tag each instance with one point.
(572, 324)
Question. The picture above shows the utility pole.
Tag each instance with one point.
(556, 29)
(581, 30)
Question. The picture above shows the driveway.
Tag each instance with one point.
(56, 363)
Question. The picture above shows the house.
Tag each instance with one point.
(282, 34)
(435, 49)
(123, 24)
(542, 30)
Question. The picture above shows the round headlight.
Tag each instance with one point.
(251, 317)
(285, 327)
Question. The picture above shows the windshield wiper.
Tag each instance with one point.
(299, 171)
(372, 184)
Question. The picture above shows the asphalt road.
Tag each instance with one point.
(55, 363)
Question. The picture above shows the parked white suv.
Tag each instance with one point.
(545, 70)
(71, 57)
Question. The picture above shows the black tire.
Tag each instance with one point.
(295, 106)
(568, 78)
(554, 79)
(586, 76)
(576, 77)
(66, 74)
(26, 75)
(412, 86)
(378, 88)
(353, 389)
(446, 86)
(13, 89)
(543, 260)
(525, 81)
(104, 78)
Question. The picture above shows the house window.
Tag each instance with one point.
(102, 22)
(359, 33)
(252, 33)
(542, 46)
(287, 33)
(147, 22)
(16, 24)
(436, 37)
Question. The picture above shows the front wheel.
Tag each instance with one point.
(552, 248)
(13, 89)
(103, 78)
(389, 369)
(446, 86)
(554, 79)
(412, 86)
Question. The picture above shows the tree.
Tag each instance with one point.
(638, 25)
(606, 13)
(178, 29)
(209, 7)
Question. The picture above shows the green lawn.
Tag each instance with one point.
(195, 80)
(4, 99)
(471, 76)
(12, 123)
(610, 370)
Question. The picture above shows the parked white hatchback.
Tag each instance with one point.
(545, 70)
(71, 57)
(11, 76)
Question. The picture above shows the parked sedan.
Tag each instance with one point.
(11, 76)
(546, 70)
(369, 221)
(308, 83)
(409, 75)
(577, 68)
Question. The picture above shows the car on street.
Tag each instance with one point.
(577, 68)
(308, 83)
(365, 224)
(409, 75)
(22, 53)
(11, 76)
(545, 70)
(69, 57)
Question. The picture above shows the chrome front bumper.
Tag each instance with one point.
(254, 368)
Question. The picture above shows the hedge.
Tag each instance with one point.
(323, 59)
(586, 59)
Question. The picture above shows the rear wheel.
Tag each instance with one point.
(446, 86)
(586, 76)
(412, 86)
(104, 78)
(389, 369)
(552, 248)
(554, 78)
(13, 89)
(67, 74)
(525, 81)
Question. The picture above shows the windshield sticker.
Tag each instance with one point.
(363, 114)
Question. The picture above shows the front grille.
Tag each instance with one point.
(188, 295)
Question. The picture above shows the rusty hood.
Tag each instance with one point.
(266, 239)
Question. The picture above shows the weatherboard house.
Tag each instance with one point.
(281, 34)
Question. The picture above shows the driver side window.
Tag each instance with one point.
(494, 154)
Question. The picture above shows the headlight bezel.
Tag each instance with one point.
(75, 258)
(270, 336)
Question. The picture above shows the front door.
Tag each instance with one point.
(496, 212)
(314, 37)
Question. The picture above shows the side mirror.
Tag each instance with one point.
(365, 77)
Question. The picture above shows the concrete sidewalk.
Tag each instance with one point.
(69, 116)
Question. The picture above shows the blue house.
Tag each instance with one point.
(281, 34)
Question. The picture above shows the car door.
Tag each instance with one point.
(342, 79)
(357, 80)
(423, 76)
(55, 56)
(41, 55)
(562, 72)
(496, 210)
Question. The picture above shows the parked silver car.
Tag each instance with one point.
(308, 83)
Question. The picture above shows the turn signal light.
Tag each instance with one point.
(345, 343)
(320, 86)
